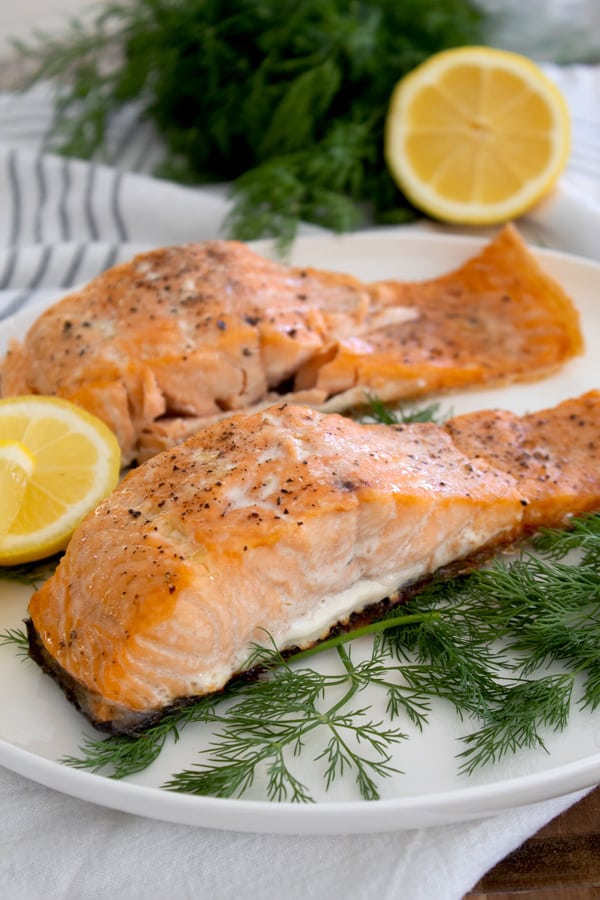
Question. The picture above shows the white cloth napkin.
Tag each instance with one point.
(61, 222)
(64, 849)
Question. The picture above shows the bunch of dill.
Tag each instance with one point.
(285, 98)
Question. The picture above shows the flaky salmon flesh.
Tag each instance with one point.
(160, 346)
(278, 526)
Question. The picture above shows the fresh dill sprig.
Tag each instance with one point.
(544, 611)
(516, 722)
(583, 535)
(15, 637)
(387, 414)
(448, 656)
(268, 728)
(121, 755)
(285, 99)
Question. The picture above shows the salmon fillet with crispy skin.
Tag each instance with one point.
(162, 345)
(286, 523)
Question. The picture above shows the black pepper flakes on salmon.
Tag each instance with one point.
(195, 592)
(182, 336)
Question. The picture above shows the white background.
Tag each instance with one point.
(560, 30)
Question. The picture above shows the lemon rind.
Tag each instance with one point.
(424, 196)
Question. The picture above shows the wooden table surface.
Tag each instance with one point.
(559, 862)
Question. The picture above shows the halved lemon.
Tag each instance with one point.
(57, 462)
(476, 135)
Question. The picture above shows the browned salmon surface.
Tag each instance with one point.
(162, 345)
(281, 524)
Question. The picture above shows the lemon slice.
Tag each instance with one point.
(57, 462)
(476, 135)
(16, 468)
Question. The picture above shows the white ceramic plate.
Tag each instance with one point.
(38, 726)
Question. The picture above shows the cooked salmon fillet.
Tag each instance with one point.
(280, 525)
(162, 345)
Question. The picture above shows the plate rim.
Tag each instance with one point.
(263, 816)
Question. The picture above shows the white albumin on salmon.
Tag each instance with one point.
(281, 525)
(160, 346)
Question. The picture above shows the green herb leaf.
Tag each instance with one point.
(524, 710)
(287, 99)
(266, 730)
(15, 637)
